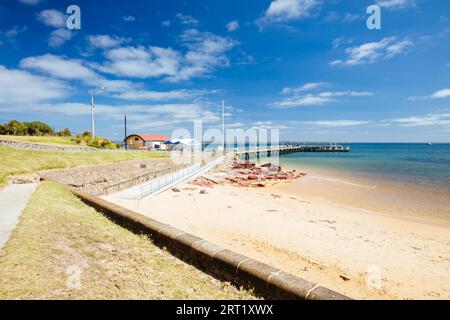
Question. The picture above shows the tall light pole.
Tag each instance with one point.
(92, 111)
(223, 125)
(125, 139)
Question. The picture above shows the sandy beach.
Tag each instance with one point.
(308, 227)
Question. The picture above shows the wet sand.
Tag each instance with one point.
(308, 228)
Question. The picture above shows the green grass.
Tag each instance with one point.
(46, 140)
(18, 161)
(59, 237)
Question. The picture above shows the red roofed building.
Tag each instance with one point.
(146, 141)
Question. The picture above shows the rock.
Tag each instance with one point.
(176, 190)
(203, 191)
(143, 166)
(266, 165)
(25, 178)
(244, 165)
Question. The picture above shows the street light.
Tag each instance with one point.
(92, 111)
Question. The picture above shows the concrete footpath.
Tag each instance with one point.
(13, 199)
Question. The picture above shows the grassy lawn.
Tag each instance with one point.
(60, 240)
(18, 161)
(47, 140)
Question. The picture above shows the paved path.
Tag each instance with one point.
(13, 199)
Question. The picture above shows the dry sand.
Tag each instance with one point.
(359, 252)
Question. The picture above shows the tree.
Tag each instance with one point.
(16, 128)
(38, 128)
(64, 133)
(2, 129)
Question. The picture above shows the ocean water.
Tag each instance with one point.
(413, 163)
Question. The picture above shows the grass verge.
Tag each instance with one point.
(60, 240)
(45, 140)
(18, 161)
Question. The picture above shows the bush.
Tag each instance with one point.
(98, 142)
(34, 128)
(64, 133)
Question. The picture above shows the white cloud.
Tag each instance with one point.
(441, 94)
(349, 17)
(337, 123)
(187, 19)
(373, 51)
(56, 19)
(300, 97)
(166, 23)
(30, 2)
(58, 67)
(445, 93)
(304, 100)
(14, 31)
(306, 87)
(141, 62)
(287, 10)
(17, 86)
(206, 51)
(128, 18)
(73, 69)
(158, 95)
(140, 116)
(58, 37)
(104, 41)
(396, 4)
(52, 18)
(232, 26)
(442, 119)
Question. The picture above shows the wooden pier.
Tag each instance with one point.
(289, 149)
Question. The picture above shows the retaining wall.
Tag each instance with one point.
(224, 264)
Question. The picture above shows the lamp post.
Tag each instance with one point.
(92, 111)
(223, 126)
(125, 140)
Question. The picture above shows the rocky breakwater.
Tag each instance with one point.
(247, 174)
(36, 146)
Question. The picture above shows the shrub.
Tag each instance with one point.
(34, 128)
(64, 133)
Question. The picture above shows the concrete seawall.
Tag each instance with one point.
(224, 264)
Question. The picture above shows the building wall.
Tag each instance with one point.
(135, 142)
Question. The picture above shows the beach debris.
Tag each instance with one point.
(345, 278)
(176, 190)
(275, 196)
(203, 191)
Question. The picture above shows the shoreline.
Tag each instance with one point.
(313, 237)
(375, 194)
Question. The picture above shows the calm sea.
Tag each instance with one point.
(416, 163)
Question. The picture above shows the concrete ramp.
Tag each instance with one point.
(13, 199)
(165, 182)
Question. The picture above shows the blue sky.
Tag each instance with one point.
(310, 68)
